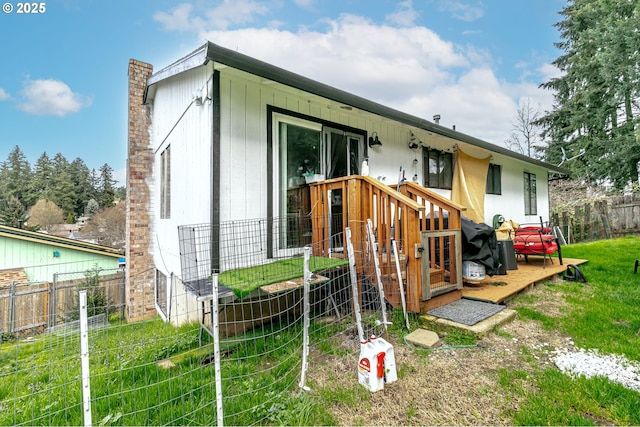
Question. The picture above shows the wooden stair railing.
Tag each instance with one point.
(436, 206)
(441, 225)
(395, 215)
(392, 214)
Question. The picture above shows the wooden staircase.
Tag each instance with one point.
(425, 226)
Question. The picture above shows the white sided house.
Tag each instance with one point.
(218, 136)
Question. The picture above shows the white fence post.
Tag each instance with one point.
(215, 324)
(354, 284)
(12, 307)
(306, 322)
(54, 301)
(394, 248)
(84, 359)
(372, 246)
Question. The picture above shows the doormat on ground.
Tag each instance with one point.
(466, 311)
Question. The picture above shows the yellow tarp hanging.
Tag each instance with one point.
(469, 184)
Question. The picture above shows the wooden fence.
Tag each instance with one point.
(27, 307)
(601, 219)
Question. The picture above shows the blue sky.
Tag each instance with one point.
(63, 72)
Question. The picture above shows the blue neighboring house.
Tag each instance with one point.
(42, 255)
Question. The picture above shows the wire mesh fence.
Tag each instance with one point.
(242, 362)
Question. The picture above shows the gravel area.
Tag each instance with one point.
(591, 364)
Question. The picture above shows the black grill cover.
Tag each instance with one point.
(480, 245)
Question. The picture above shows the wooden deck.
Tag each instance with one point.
(497, 289)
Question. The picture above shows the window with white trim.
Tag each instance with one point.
(161, 291)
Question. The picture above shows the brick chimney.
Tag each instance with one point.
(140, 271)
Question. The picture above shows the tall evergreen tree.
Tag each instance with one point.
(42, 179)
(94, 181)
(62, 191)
(15, 176)
(13, 213)
(69, 185)
(107, 187)
(83, 191)
(596, 97)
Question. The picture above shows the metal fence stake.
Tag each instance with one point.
(12, 307)
(376, 263)
(354, 284)
(84, 359)
(394, 248)
(215, 324)
(306, 322)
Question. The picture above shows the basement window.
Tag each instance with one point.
(161, 292)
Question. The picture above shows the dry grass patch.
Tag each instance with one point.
(444, 387)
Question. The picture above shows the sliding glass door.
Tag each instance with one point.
(344, 154)
(306, 147)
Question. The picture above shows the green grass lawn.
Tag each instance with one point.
(603, 314)
(40, 381)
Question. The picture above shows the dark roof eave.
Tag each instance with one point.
(218, 54)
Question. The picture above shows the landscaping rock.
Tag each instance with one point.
(423, 338)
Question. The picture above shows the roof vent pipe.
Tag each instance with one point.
(436, 119)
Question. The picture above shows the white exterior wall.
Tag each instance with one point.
(190, 143)
(244, 168)
(511, 203)
(243, 150)
(183, 307)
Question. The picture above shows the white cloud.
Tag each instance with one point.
(405, 16)
(409, 68)
(380, 63)
(4, 95)
(179, 18)
(462, 10)
(476, 104)
(549, 71)
(51, 98)
(226, 14)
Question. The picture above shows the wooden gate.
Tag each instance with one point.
(440, 252)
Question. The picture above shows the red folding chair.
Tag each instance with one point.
(533, 239)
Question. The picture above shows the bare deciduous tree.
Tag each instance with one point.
(526, 136)
(108, 226)
(45, 214)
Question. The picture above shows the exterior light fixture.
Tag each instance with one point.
(414, 142)
(373, 139)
